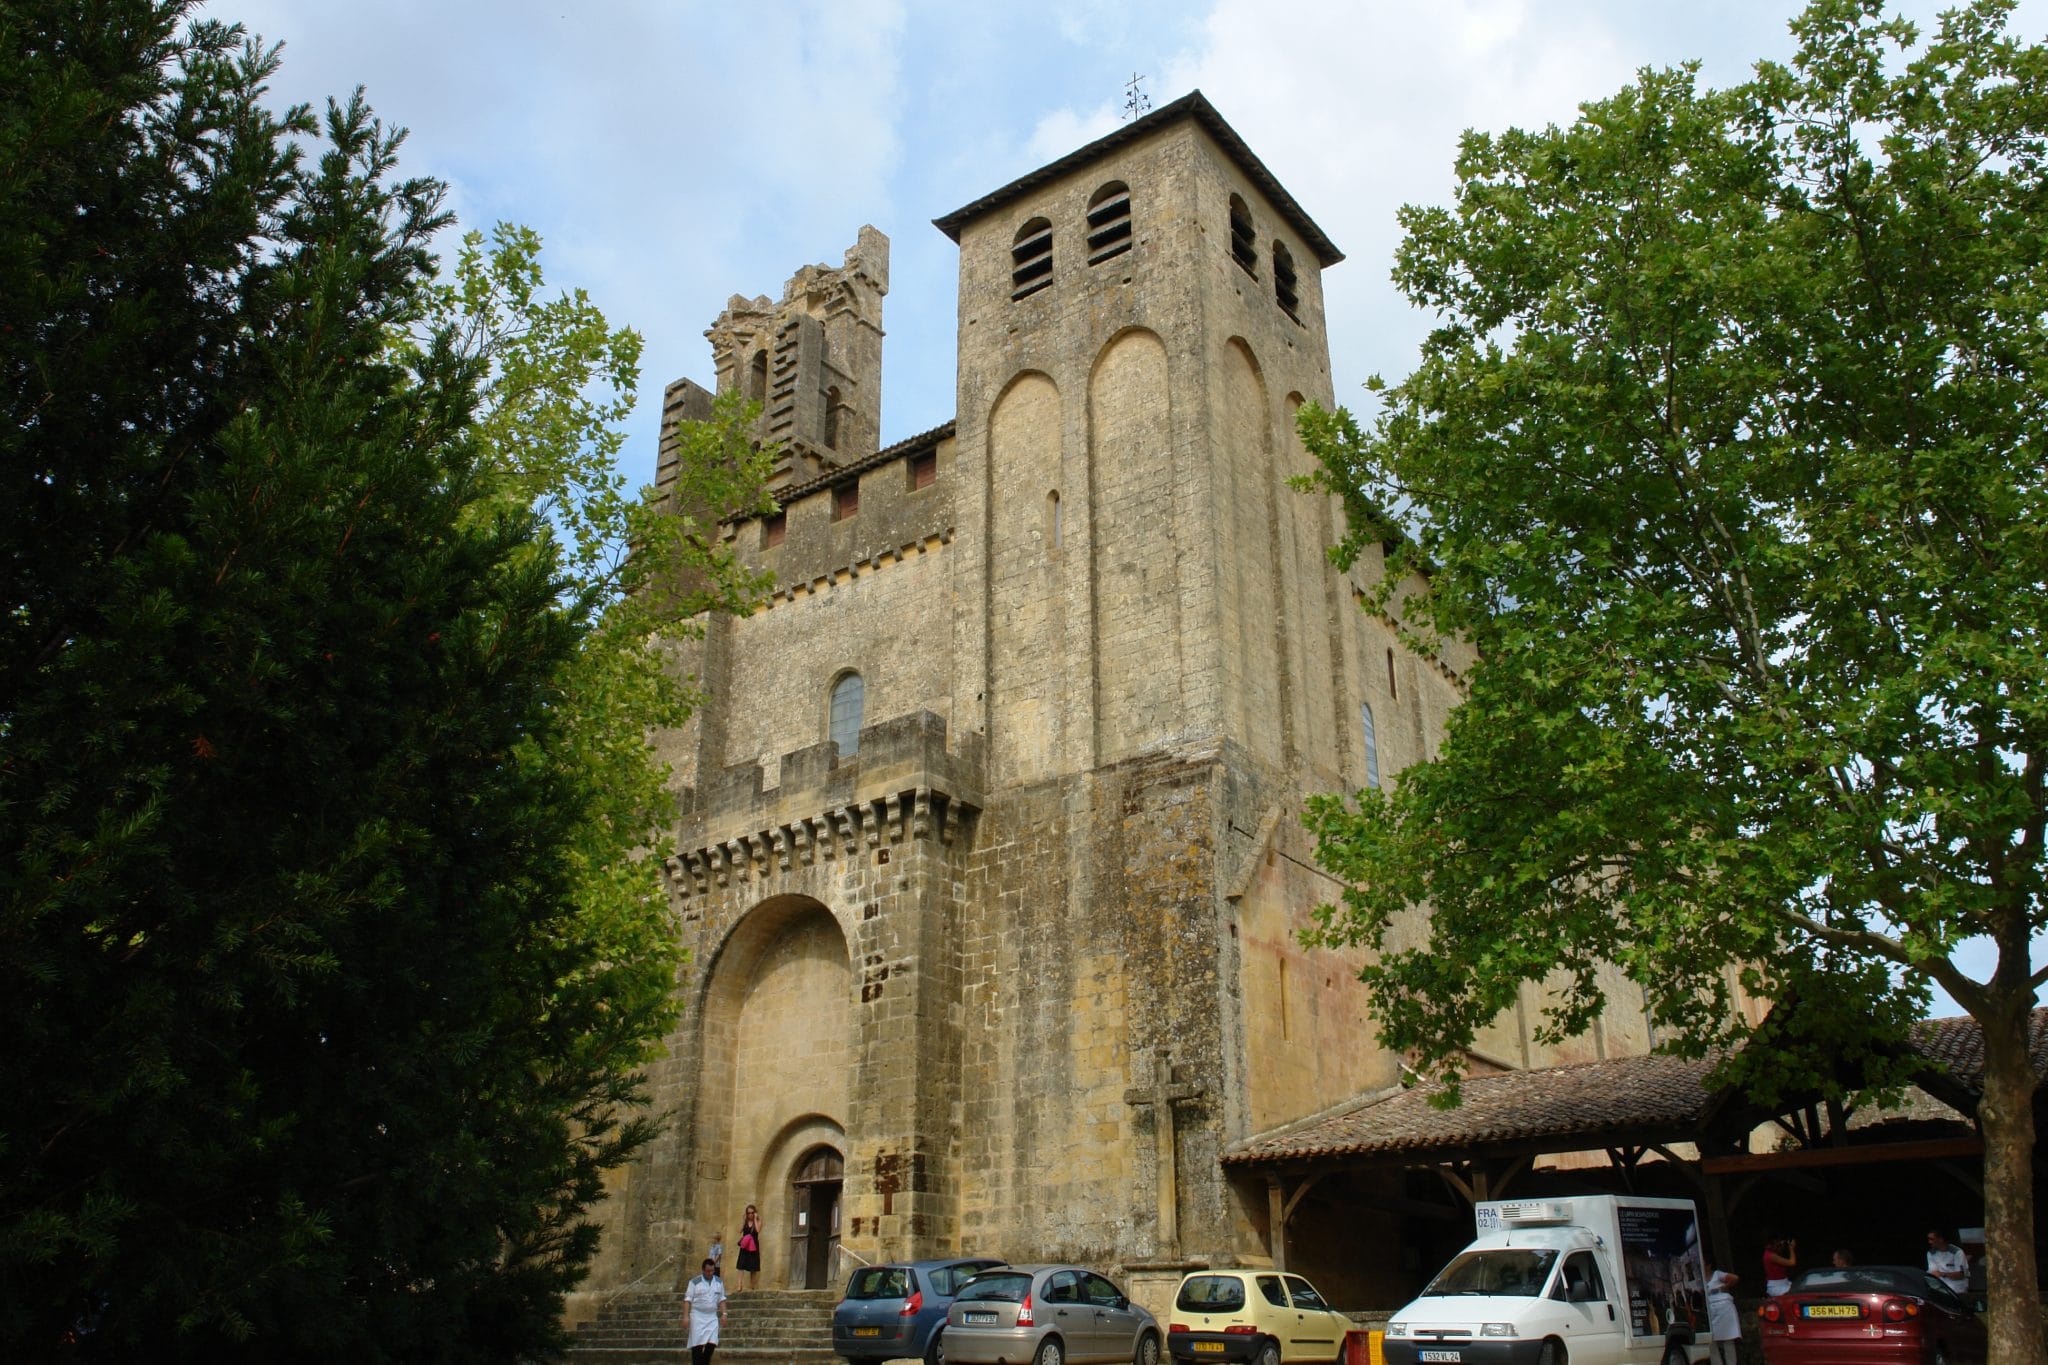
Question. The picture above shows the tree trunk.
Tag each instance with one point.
(2006, 1115)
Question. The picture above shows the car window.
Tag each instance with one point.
(1005, 1286)
(1304, 1293)
(1101, 1292)
(1269, 1285)
(1210, 1294)
(1580, 1282)
(879, 1282)
(1063, 1287)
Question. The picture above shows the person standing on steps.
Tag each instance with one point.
(703, 1312)
(750, 1247)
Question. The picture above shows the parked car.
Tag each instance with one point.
(898, 1311)
(1258, 1315)
(1047, 1315)
(1892, 1313)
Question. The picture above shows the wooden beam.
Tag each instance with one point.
(1300, 1190)
(1874, 1154)
(1276, 1223)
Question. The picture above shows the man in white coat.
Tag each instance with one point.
(704, 1312)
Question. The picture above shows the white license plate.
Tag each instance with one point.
(979, 1319)
(1451, 1357)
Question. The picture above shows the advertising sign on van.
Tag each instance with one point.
(1667, 1278)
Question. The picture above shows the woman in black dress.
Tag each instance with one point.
(750, 1246)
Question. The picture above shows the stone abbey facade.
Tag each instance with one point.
(989, 852)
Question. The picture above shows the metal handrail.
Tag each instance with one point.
(843, 1250)
(624, 1287)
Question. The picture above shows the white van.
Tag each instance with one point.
(1589, 1280)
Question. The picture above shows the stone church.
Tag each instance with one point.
(989, 853)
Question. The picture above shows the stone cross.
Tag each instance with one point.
(1161, 1094)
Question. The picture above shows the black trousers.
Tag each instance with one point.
(701, 1355)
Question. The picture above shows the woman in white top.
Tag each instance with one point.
(1724, 1324)
(704, 1312)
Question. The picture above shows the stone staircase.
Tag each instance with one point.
(762, 1327)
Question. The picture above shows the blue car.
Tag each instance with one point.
(896, 1312)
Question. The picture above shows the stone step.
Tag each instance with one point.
(762, 1327)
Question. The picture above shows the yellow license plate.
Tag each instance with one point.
(867, 1331)
(1215, 1346)
(1833, 1310)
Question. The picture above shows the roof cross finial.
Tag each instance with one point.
(1136, 102)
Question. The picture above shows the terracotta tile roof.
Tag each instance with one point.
(1958, 1045)
(1192, 106)
(1581, 1106)
(1592, 1101)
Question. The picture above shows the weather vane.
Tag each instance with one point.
(1136, 101)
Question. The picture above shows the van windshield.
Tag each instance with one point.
(1505, 1273)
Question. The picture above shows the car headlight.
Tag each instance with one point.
(1397, 1329)
(1496, 1329)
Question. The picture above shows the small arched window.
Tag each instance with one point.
(1109, 222)
(1286, 290)
(757, 378)
(1372, 745)
(1243, 241)
(1031, 258)
(848, 695)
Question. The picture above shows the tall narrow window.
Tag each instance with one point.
(1393, 686)
(845, 501)
(774, 527)
(832, 406)
(1286, 290)
(847, 696)
(1109, 222)
(757, 378)
(1052, 516)
(1243, 242)
(1372, 745)
(924, 470)
(1031, 258)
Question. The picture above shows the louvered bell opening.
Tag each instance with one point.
(1286, 291)
(1031, 261)
(1109, 228)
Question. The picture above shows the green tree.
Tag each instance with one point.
(1726, 455)
(326, 972)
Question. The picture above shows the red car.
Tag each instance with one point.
(1863, 1314)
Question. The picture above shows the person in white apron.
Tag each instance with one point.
(1724, 1324)
(704, 1312)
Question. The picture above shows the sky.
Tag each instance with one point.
(674, 154)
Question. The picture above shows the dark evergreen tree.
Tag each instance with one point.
(308, 1044)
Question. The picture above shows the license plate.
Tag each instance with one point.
(1451, 1356)
(978, 1318)
(867, 1331)
(1213, 1346)
(1831, 1310)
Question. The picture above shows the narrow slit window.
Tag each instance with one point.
(1243, 242)
(1372, 745)
(1393, 685)
(1031, 259)
(845, 501)
(1109, 222)
(832, 410)
(1286, 289)
(1052, 514)
(773, 528)
(848, 697)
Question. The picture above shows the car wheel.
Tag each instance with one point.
(1269, 1354)
(935, 1349)
(1674, 1354)
(1148, 1351)
(1050, 1353)
(1552, 1353)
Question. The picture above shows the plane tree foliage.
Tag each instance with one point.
(327, 969)
(1726, 453)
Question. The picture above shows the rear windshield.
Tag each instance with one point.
(1211, 1294)
(1506, 1273)
(1006, 1287)
(879, 1282)
(947, 1279)
(1869, 1279)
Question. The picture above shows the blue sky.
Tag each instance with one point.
(674, 154)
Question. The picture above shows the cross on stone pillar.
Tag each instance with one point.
(1161, 1094)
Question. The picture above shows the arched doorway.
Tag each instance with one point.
(814, 1217)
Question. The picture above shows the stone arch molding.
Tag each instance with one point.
(775, 1018)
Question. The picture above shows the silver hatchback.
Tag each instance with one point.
(1047, 1315)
